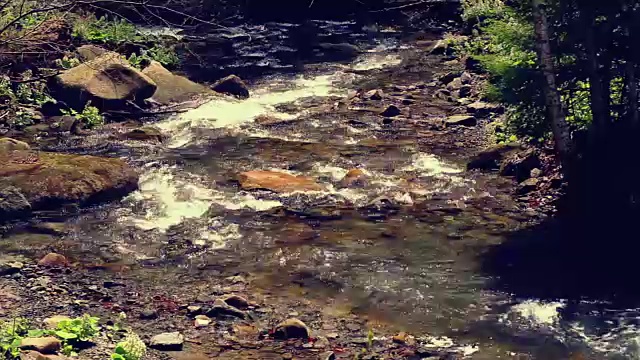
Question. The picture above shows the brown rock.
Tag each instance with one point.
(50, 179)
(232, 85)
(236, 301)
(528, 185)
(268, 120)
(34, 355)
(276, 181)
(108, 80)
(145, 133)
(173, 88)
(354, 178)
(9, 144)
(44, 345)
(291, 329)
(401, 338)
(374, 94)
(54, 260)
(294, 233)
(491, 158)
(90, 52)
(52, 322)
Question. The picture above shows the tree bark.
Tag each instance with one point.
(559, 125)
(599, 99)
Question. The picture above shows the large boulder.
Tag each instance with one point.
(90, 52)
(276, 181)
(173, 88)
(108, 81)
(12, 202)
(9, 144)
(491, 158)
(48, 180)
(520, 164)
(232, 85)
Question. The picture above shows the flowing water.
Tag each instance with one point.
(404, 248)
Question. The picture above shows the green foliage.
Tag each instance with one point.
(479, 9)
(166, 55)
(74, 331)
(370, 339)
(90, 115)
(131, 348)
(105, 30)
(22, 119)
(6, 92)
(67, 62)
(11, 334)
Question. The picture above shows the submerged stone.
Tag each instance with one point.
(232, 85)
(276, 181)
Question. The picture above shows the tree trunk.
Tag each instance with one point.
(599, 100)
(559, 125)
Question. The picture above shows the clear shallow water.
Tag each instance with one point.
(404, 248)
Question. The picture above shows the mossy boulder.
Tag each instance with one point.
(108, 81)
(48, 180)
(173, 88)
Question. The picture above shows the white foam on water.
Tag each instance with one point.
(430, 165)
(538, 313)
(377, 61)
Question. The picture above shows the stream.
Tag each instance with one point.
(404, 248)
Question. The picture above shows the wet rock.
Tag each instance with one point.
(466, 78)
(460, 120)
(38, 129)
(148, 314)
(173, 88)
(232, 85)
(12, 203)
(194, 310)
(379, 208)
(202, 321)
(221, 308)
(44, 345)
(491, 158)
(269, 120)
(400, 338)
(316, 213)
(374, 95)
(9, 144)
(167, 341)
(340, 51)
(107, 81)
(455, 85)
(50, 228)
(483, 109)
(90, 52)
(52, 322)
(53, 260)
(391, 111)
(276, 181)
(48, 180)
(449, 77)
(354, 178)
(145, 133)
(296, 233)
(292, 329)
(67, 123)
(528, 186)
(236, 301)
(520, 164)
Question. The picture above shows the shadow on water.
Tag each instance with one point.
(554, 260)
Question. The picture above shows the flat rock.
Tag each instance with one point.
(483, 109)
(44, 345)
(48, 180)
(268, 120)
(108, 81)
(232, 85)
(236, 301)
(291, 329)
(34, 355)
(167, 341)
(9, 144)
(172, 88)
(276, 181)
(222, 309)
(461, 120)
(10, 266)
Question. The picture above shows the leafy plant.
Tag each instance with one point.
(67, 62)
(90, 115)
(105, 30)
(370, 339)
(22, 119)
(75, 331)
(132, 348)
(165, 55)
(11, 334)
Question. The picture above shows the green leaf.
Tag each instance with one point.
(117, 357)
(120, 350)
(66, 335)
(35, 333)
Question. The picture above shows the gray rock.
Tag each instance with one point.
(148, 314)
(483, 109)
(167, 341)
(374, 94)
(535, 173)
(528, 185)
(232, 85)
(461, 120)
(90, 52)
(466, 78)
(13, 202)
(292, 329)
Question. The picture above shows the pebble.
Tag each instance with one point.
(148, 314)
(287, 356)
(202, 321)
(167, 341)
